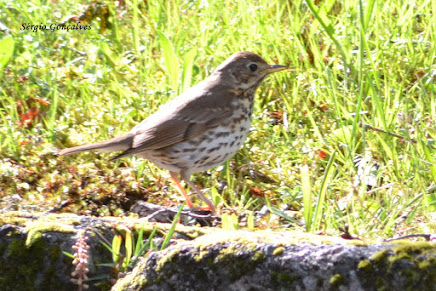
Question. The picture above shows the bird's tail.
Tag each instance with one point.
(120, 143)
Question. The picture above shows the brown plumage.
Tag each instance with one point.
(199, 129)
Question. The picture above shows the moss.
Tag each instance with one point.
(27, 261)
(37, 228)
(203, 254)
(364, 265)
(258, 257)
(408, 249)
(3, 248)
(54, 253)
(50, 281)
(419, 257)
(380, 256)
(415, 252)
(23, 218)
(425, 264)
(380, 283)
(270, 237)
(239, 253)
(165, 259)
(22, 264)
(14, 218)
(188, 233)
(336, 280)
(27, 256)
(136, 280)
(399, 256)
(282, 279)
(278, 251)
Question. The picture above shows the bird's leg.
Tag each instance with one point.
(199, 193)
(181, 189)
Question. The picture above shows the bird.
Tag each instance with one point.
(201, 128)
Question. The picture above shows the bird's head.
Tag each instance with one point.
(246, 70)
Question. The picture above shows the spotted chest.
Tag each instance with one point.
(211, 148)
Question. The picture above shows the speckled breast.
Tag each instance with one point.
(211, 148)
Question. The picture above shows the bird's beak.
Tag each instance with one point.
(274, 68)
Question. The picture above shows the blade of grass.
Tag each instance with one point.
(135, 25)
(320, 203)
(307, 196)
(173, 228)
(53, 110)
(142, 247)
(128, 244)
(7, 46)
(188, 64)
(116, 247)
(171, 60)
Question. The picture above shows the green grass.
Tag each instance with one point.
(353, 64)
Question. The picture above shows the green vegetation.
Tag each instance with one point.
(354, 65)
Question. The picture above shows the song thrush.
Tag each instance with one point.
(199, 129)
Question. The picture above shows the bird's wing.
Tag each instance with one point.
(179, 128)
(179, 120)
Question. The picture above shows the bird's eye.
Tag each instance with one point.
(252, 67)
